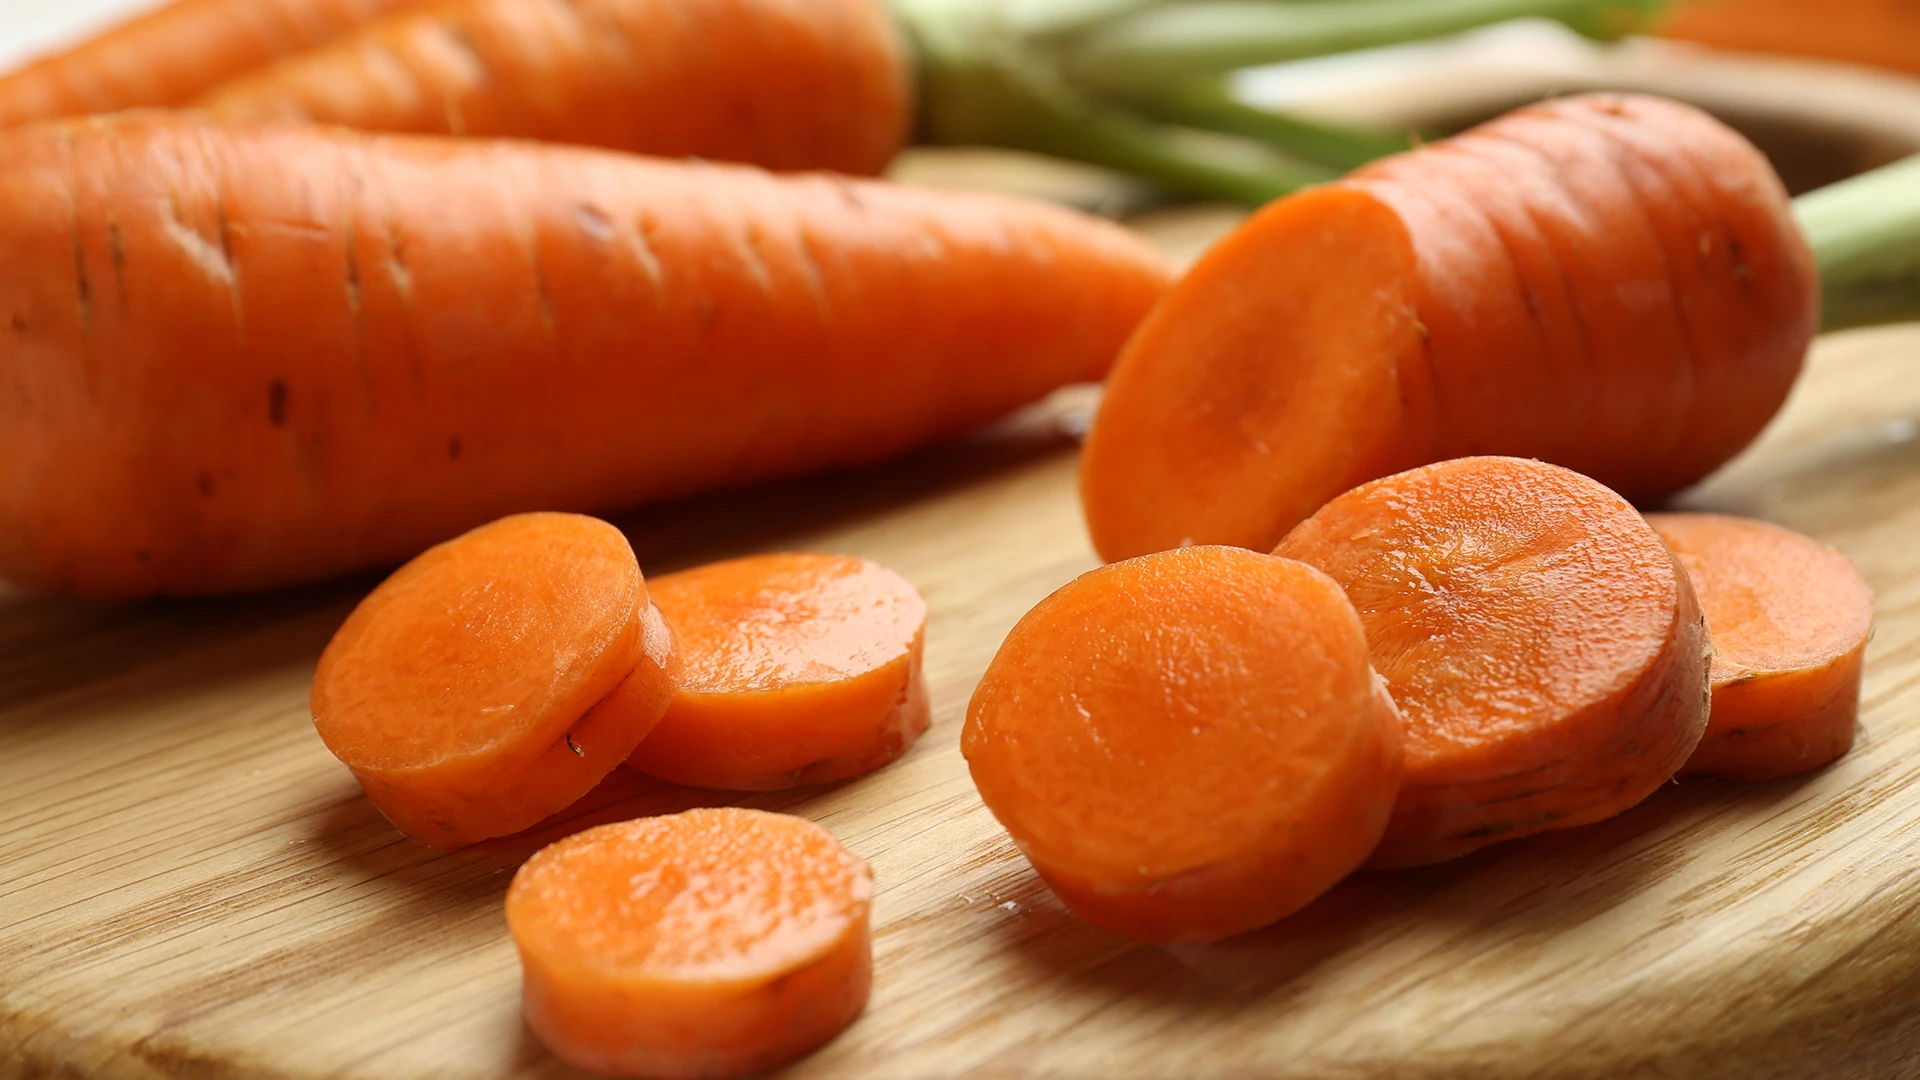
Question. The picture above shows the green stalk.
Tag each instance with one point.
(1865, 234)
(1168, 43)
(1208, 104)
(985, 81)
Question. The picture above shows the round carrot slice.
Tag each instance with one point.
(796, 669)
(1288, 365)
(711, 943)
(1789, 618)
(1548, 653)
(1187, 745)
(452, 688)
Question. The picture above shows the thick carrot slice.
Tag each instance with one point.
(713, 943)
(1571, 300)
(239, 359)
(797, 669)
(466, 691)
(1546, 650)
(817, 84)
(1789, 619)
(1289, 365)
(173, 53)
(1188, 745)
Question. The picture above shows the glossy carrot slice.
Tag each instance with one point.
(1548, 653)
(796, 669)
(1187, 745)
(464, 691)
(712, 943)
(1789, 618)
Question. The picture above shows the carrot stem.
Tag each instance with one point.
(986, 80)
(1865, 234)
(1209, 104)
(1173, 42)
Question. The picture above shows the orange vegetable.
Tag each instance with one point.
(1546, 650)
(712, 943)
(1789, 619)
(496, 678)
(788, 84)
(798, 669)
(240, 359)
(1885, 33)
(173, 53)
(1187, 745)
(1610, 282)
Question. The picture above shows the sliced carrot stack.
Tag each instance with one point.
(464, 692)
(1789, 618)
(1545, 648)
(1188, 745)
(711, 943)
(796, 669)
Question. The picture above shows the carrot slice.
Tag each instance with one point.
(1789, 618)
(1188, 745)
(1286, 367)
(797, 669)
(1545, 648)
(712, 943)
(462, 691)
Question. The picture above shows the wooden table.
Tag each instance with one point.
(191, 887)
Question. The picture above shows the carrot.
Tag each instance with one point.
(799, 669)
(174, 53)
(1188, 745)
(1884, 33)
(1610, 282)
(240, 359)
(496, 678)
(1789, 619)
(1545, 648)
(788, 84)
(711, 943)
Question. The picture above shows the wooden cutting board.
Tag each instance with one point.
(191, 887)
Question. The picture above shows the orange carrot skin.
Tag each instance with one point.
(174, 53)
(631, 970)
(800, 668)
(1790, 619)
(1629, 296)
(237, 360)
(1885, 33)
(786, 84)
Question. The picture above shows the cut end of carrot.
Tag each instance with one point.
(1789, 619)
(452, 689)
(798, 669)
(1273, 377)
(1188, 745)
(1545, 648)
(713, 943)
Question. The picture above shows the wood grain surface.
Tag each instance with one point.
(190, 886)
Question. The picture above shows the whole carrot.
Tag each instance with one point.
(238, 359)
(1885, 33)
(787, 84)
(1612, 283)
(173, 54)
